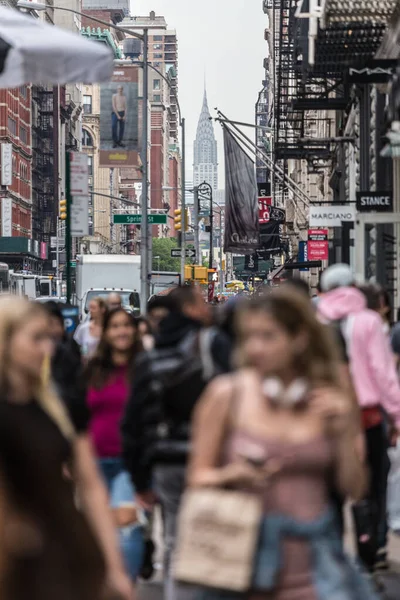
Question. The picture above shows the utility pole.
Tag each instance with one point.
(183, 205)
(144, 243)
(211, 259)
(68, 240)
(196, 225)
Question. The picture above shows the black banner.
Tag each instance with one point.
(242, 234)
(270, 238)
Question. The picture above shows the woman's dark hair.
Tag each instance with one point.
(372, 295)
(156, 302)
(142, 320)
(101, 367)
(53, 309)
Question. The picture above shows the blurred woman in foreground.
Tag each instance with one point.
(108, 378)
(49, 548)
(283, 428)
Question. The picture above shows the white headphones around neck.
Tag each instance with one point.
(293, 395)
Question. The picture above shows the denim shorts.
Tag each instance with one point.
(121, 491)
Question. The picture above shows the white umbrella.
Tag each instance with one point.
(32, 51)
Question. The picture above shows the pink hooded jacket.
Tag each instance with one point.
(372, 363)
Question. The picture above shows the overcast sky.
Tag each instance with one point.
(223, 40)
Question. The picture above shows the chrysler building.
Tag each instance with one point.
(205, 150)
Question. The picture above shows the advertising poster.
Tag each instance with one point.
(119, 119)
(318, 247)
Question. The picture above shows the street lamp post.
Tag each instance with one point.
(205, 192)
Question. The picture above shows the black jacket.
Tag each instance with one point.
(167, 383)
(68, 376)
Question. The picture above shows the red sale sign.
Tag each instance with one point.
(318, 248)
(264, 205)
(318, 251)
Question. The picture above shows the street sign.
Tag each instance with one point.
(80, 216)
(137, 219)
(72, 263)
(177, 253)
(79, 174)
(53, 241)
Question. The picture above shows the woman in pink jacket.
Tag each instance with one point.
(373, 372)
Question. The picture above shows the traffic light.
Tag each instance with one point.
(178, 219)
(188, 272)
(187, 218)
(63, 210)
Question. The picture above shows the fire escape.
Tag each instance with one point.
(44, 210)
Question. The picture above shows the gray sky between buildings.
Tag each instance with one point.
(221, 41)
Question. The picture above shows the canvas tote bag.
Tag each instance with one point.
(217, 538)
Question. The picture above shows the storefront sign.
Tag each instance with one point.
(264, 207)
(374, 202)
(375, 71)
(331, 216)
(317, 246)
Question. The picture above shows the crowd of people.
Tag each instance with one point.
(280, 403)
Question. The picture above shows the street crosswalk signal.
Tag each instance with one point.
(63, 210)
(178, 219)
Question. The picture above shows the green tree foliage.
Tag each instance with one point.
(162, 247)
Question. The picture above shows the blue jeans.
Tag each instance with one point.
(118, 127)
(121, 491)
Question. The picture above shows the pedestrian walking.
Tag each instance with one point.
(376, 384)
(280, 429)
(167, 384)
(114, 301)
(108, 377)
(88, 334)
(158, 308)
(50, 549)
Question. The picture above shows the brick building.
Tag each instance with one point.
(16, 197)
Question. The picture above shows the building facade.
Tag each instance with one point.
(163, 107)
(205, 166)
(16, 177)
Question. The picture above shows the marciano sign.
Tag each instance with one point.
(331, 216)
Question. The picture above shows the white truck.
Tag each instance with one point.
(99, 275)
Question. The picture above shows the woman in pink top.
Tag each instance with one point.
(108, 378)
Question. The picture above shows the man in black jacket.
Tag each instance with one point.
(167, 384)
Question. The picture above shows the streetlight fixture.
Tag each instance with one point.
(145, 229)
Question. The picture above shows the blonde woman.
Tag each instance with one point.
(283, 428)
(49, 548)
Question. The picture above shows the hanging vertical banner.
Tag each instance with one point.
(119, 119)
(6, 217)
(6, 164)
(303, 253)
(242, 233)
